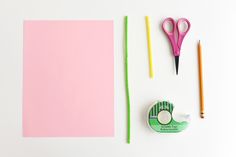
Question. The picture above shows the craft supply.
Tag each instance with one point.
(127, 78)
(176, 32)
(200, 80)
(68, 79)
(149, 42)
(162, 120)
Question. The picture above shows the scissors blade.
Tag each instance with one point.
(177, 64)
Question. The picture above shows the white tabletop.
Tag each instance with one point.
(213, 22)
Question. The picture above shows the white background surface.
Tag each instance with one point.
(213, 22)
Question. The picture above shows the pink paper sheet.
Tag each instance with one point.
(68, 85)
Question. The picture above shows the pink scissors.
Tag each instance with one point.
(176, 43)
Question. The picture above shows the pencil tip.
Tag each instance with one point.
(199, 41)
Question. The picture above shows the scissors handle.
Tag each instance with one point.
(175, 43)
(181, 34)
(171, 34)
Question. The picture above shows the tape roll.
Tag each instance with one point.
(160, 118)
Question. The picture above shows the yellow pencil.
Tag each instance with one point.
(151, 72)
(200, 80)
